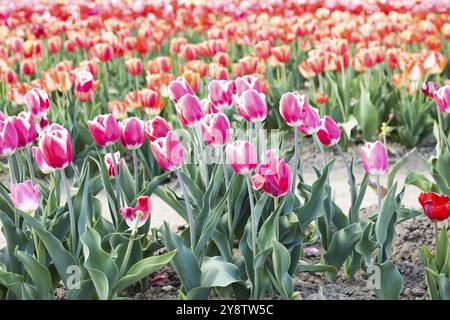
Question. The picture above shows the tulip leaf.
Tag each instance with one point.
(127, 182)
(442, 251)
(15, 237)
(418, 180)
(387, 281)
(385, 216)
(40, 275)
(367, 114)
(218, 273)
(16, 283)
(281, 260)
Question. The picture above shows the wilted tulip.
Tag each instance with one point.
(168, 151)
(131, 133)
(242, 156)
(25, 196)
(374, 158)
(104, 130)
(156, 128)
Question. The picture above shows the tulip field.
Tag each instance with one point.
(226, 149)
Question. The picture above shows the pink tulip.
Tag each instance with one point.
(242, 156)
(220, 93)
(189, 110)
(291, 106)
(247, 82)
(25, 128)
(40, 161)
(84, 81)
(110, 163)
(310, 120)
(215, 129)
(251, 105)
(9, 139)
(104, 129)
(156, 128)
(168, 152)
(374, 158)
(37, 102)
(56, 146)
(329, 133)
(442, 98)
(25, 196)
(178, 88)
(273, 176)
(208, 107)
(142, 209)
(132, 133)
(428, 88)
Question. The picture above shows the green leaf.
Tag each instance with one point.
(349, 125)
(418, 180)
(40, 275)
(442, 251)
(386, 215)
(143, 269)
(398, 164)
(390, 281)
(366, 114)
(127, 182)
(218, 273)
(16, 283)
(319, 267)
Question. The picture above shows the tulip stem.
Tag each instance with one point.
(30, 165)
(202, 158)
(117, 177)
(136, 171)
(73, 229)
(252, 213)
(18, 165)
(295, 169)
(11, 170)
(436, 236)
(322, 151)
(379, 193)
(227, 186)
(339, 151)
(129, 247)
(188, 210)
(441, 129)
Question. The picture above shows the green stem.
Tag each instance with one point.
(202, 157)
(130, 246)
(136, 171)
(349, 174)
(436, 236)
(116, 175)
(441, 129)
(188, 210)
(230, 212)
(73, 229)
(379, 193)
(30, 165)
(19, 166)
(295, 167)
(322, 151)
(252, 213)
(11, 170)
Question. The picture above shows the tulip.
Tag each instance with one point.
(37, 102)
(242, 157)
(156, 128)
(273, 176)
(103, 51)
(134, 66)
(84, 81)
(113, 165)
(25, 196)
(322, 98)
(54, 44)
(25, 128)
(178, 88)
(435, 206)
(136, 217)
(374, 158)
(329, 133)
(9, 139)
(251, 105)
(248, 82)
(131, 133)
(56, 146)
(215, 128)
(168, 152)
(428, 88)
(40, 161)
(104, 130)
(291, 107)
(310, 120)
(442, 98)
(282, 53)
(220, 93)
(189, 110)
(28, 67)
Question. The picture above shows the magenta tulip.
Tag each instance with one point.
(247, 82)
(242, 156)
(220, 93)
(178, 88)
(156, 128)
(442, 98)
(37, 102)
(104, 130)
(374, 158)
(132, 133)
(84, 81)
(56, 146)
(25, 196)
(9, 139)
(310, 120)
(251, 105)
(215, 129)
(110, 163)
(40, 161)
(329, 133)
(291, 106)
(25, 128)
(168, 152)
(189, 110)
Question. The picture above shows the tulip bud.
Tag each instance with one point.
(310, 120)
(215, 129)
(110, 163)
(168, 152)
(37, 102)
(322, 98)
(141, 211)
(374, 158)
(25, 196)
(104, 129)
(156, 128)
(329, 133)
(251, 105)
(220, 93)
(131, 133)
(178, 88)
(435, 206)
(291, 105)
(84, 81)
(25, 128)
(442, 98)
(189, 110)
(56, 146)
(9, 140)
(242, 156)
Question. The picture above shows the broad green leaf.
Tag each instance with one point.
(418, 180)
(385, 215)
(40, 275)
(388, 281)
(366, 114)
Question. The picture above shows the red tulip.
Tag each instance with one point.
(273, 176)
(134, 66)
(291, 106)
(56, 146)
(84, 81)
(141, 211)
(251, 105)
(215, 129)
(168, 152)
(189, 110)
(435, 206)
(110, 163)
(156, 128)
(25, 128)
(242, 156)
(28, 67)
(9, 140)
(37, 102)
(329, 133)
(178, 88)
(25, 196)
(131, 133)
(104, 129)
